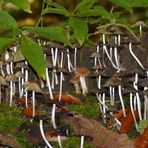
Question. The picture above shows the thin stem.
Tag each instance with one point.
(11, 93)
(120, 25)
(82, 142)
(59, 141)
(43, 135)
(33, 103)
(53, 116)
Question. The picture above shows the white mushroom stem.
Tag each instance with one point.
(132, 110)
(49, 85)
(105, 49)
(119, 39)
(100, 100)
(134, 56)
(82, 142)
(99, 82)
(2, 71)
(136, 81)
(70, 67)
(116, 39)
(11, 93)
(116, 58)
(43, 135)
(112, 95)
(75, 58)
(103, 58)
(26, 99)
(145, 116)
(33, 103)
(22, 91)
(11, 67)
(83, 85)
(53, 116)
(8, 68)
(140, 30)
(77, 88)
(59, 141)
(61, 80)
(139, 105)
(121, 100)
(111, 52)
(19, 85)
(104, 109)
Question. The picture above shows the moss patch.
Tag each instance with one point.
(89, 107)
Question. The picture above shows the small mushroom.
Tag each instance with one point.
(9, 60)
(34, 87)
(1, 68)
(75, 81)
(140, 24)
(82, 72)
(12, 79)
(2, 82)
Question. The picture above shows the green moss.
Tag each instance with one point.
(10, 119)
(89, 107)
(73, 142)
(142, 125)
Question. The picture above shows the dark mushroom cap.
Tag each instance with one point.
(143, 82)
(139, 23)
(113, 81)
(32, 86)
(11, 77)
(21, 65)
(95, 55)
(82, 71)
(19, 74)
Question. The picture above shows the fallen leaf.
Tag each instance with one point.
(28, 112)
(68, 98)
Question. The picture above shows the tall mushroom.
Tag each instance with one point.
(34, 87)
(83, 72)
(12, 79)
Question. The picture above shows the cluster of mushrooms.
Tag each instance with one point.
(62, 69)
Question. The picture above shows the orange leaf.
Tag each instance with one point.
(68, 98)
(22, 100)
(28, 112)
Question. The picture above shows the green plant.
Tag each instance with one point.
(142, 125)
(79, 21)
(89, 107)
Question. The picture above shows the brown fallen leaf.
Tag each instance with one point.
(22, 100)
(128, 122)
(141, 141)
(67, 98)
(28, 112)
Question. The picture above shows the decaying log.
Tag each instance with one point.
(101, 136)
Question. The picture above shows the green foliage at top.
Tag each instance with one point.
(55, 33)
(89, 107)
(142, 125)
(130, 4)
(5, 43)
(73, 142)
(23, 4)
(34, 55)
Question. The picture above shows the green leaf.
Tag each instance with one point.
(80, 29)
(23, 4)
(95, 11)
(34, 55)
(56, 11)
(55, 33)
(130, 4)
(56, 8)
(7, 21)
(5, 43)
